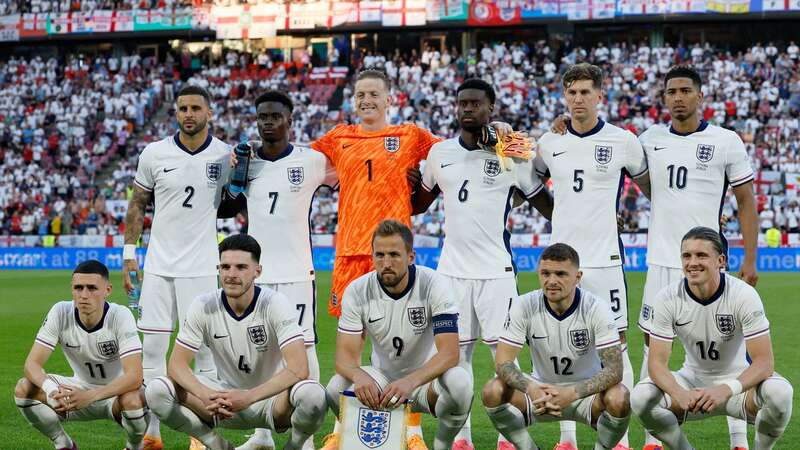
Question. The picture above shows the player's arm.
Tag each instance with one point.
(130, 380)
(748, 220)
(421, 199)
(180, 371)
(610, 374)
(658, 366)
(296, 370)
(231, 205)
(34, 367)
(543, 202)
(509, 373)
(643, 181)
(134, 222)
(348, 365)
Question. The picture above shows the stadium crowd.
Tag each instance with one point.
(756, 92)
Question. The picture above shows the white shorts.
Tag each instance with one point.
(483, 307)
(257, 415)
(418, 398)
(609, 283)
(657, 278)
(304, 295)
(579, 411)
(101, 409)
(165, 300)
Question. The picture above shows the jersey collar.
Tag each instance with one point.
(286, 152)
(248, 311)
(594, 130)
(465, 146)
(180, 145)
(412, 276)
(715, 297)
(572, 308)
(703, 125)
(96, 327)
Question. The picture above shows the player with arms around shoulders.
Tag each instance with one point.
(102, 347)
(409, 314)
(721, 324)
(185, 174)
(262, 367)
(577, 360)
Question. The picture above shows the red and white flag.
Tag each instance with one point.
(399, 13)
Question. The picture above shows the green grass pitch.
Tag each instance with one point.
(26, 296)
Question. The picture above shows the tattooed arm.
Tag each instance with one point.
(610, 375)
(513, 376)
(134, 222)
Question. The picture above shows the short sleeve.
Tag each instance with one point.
(283, 320)
(425, 140)
(662, 316)
(540, 166)
(144, 172)
(429, 181)
(515, 330)
(441, 296)
(327, 144)
(527, 180)
(191, 334)
(351, 322)
(636, 163)
(127, 336)
(605, 331)
(737, 164)
(751, 314)
(50, 331)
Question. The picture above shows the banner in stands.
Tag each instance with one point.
(443, 10)
(9, 27)
(37, 258)
(494, 13)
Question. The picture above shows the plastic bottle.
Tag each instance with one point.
(133, 296)
(239, 177)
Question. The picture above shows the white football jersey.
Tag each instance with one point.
(587, 171)
(402, 327)
(478, 196)
(246, 348)
(187, 188)
(279, 194)
(713, 332)
(563, 348)
(689, 175)
(93, 354)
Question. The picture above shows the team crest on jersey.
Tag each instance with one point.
(725, 324)
(416, 316)
(295, 175)
(213, 171)
(107, 349)
(491, 167)
(705, 152)
(647, 312)
(391, 143)
(257, 335)
(602, 154)
(579, 338)
(373, 427)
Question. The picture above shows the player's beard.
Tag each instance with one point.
(391, 279)
(233, 290)
(198, 127)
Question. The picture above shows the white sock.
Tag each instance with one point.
(453, 406)
(134, 422)
(652, 408)
(737, 428)
(310, 406)
(643, 374)
(465, 361)
(627, 381)
(154, 364)
(568, 432)
(44, 419)
(510, 422)
(610, 430)
(493, 349)
(774, 399)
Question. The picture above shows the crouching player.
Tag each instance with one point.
(102, 347)
(577, 361)
(408, 312)
(259, 354)
(720, 321)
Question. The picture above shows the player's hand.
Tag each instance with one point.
(560, 396)
(130, 265)
(713, 397)
(539, 398)
(620, 223)
(748, 273)
(73, 399)
(213, 403)
(233, 401)
(396, 393)
(367, 391)
(502, 129)
(685, 400)
(560, 124)
(414, 177)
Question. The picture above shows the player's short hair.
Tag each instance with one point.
(477, 83)
(243, 242)
(192, 89)
(376, 74)
(583, 71)
(706, 234)
(92, 266)
(277, 97)
(561, 252)
(392, 227)
(684, 72)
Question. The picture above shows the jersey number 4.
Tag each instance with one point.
(243, 366)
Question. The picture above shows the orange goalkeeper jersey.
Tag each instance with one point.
(372, 178)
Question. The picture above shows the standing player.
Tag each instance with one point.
(102, 347)
(409, 313)
(577, 360)
(185, 173)
(478, 195)
(262, 368)
(282, 181)
(587, 166)
(728, 368)
(692, 163)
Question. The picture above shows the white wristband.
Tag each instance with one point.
(128, 252)
(735, 385)
(49, 386)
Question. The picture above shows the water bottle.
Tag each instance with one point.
(133, 297)
(239, 177)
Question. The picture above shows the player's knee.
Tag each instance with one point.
(24, 388)
(310, 396)
(335, 386)
(457, 383)
(776, 394)
(644, 398)
(492, 393)
(617, 401)
(159, 393)
(130, 400)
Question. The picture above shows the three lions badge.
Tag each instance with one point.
(366, 429)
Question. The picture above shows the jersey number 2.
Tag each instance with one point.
(190, 193)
